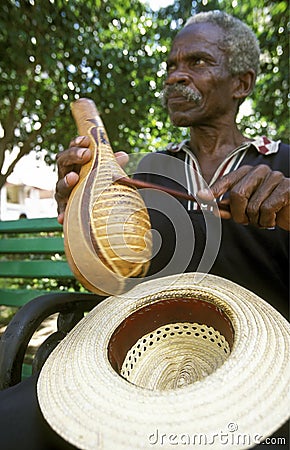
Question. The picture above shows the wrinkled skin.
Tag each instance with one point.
(257, 195)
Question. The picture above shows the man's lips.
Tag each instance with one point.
(179, 101)
(180, 98)
(176, 99)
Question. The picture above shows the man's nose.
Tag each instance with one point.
(178, 76)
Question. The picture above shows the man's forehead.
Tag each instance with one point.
(198, 35)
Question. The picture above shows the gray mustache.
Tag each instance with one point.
(188, 93)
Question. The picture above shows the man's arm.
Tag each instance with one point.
(257, 195)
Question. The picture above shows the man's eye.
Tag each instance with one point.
(171, 67)
(198, 62)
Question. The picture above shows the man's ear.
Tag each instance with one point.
(243, 84)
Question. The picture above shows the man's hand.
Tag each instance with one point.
(69, 163)
(257, 195)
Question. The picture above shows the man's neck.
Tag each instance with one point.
(213, 142)
(211, 145)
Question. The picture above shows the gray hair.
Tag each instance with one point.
(239, 42)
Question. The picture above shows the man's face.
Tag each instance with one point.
(198, 66)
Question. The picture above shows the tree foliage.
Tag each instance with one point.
(54, 51)
(269, 20)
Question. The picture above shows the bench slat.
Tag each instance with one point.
(29, 225)
(32, 245)
(35, 269)
(19, 297)
(24, 245)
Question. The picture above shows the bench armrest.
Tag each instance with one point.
(14, 341)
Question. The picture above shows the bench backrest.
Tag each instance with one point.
(30, 248)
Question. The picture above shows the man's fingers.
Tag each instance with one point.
(63, 189)
(242, 191)
(224, 184)
(266, 201)
(237, 200)
(275, 209)
(60, 218)
(65, 185)
(69, 164)
(206, 195)
(72, 160)
(80, 141)
(224, 214)
(122, 158)
(248, 186)
(258, 196)
(283, 218)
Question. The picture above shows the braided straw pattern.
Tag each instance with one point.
(90, 405)
(174, 356)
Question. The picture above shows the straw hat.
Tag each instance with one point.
(180, 361)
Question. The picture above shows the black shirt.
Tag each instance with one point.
(257, 259)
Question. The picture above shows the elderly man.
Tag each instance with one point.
(212, 68)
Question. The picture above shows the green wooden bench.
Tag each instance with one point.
(30, 249)
(33, 249)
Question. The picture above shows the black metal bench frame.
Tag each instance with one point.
(33, 248)
(71, 308)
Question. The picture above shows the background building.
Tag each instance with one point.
(29, 190)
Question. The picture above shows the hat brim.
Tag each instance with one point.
(245, 400)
